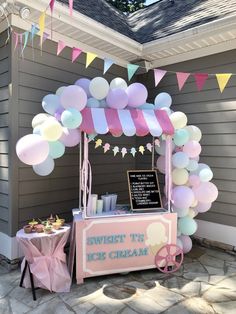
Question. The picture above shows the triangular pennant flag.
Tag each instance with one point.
(42, 27)
(200, 79)
(16, 39)
(158, 75)
(222, 80)
(71, 6)
(52, 2)
(132, 68)
(26, 36)
(61, 45)
(89, 58)
(34, 31)
(182, 78)
(45, 36)
(107, 64)
(75, 53)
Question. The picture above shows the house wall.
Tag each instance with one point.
(36, 75)
(215, 114)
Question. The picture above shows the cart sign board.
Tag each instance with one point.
(144, 190)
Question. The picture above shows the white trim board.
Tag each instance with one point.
(216, 232)
(9, 246)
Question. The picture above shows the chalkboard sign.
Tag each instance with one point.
(144, 190)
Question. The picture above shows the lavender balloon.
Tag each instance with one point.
(70, 137)
(137, 94)
(84, 83)
(117, 98)
(186, 243)
(182, 196)
(73, 96)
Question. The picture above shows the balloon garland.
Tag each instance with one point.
(56, 129)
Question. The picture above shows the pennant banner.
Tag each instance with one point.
(61, 45)
(34, 31)
(42, 27)
(200, 79)
(107, 64)
(75, 53)
(132, 68)
(182, 78)
(45, 36)
(89, 58)
(222, 80)
(158, 75)
(71, 7)
(26, 36)
(51, 4)
(16, 39)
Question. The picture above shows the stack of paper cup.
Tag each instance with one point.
(94, 198)
(99, 206)
(113, 201)
(106, 203)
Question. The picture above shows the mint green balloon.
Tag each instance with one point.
(187, 225)
(181, 137)
(56, 149)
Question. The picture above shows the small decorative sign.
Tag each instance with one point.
(144, 190)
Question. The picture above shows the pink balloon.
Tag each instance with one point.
(206, 192)
(192, 149)
(84, 83)
(70, 137)
(161, 164)
(137, 94)
(73, 96)
(117, 98)
(202, 207)
(186, 242)
(182, 197)
(194, 180)
(32, 149)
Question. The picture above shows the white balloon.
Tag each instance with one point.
(45, 168)
(195, 133)
(162, 100)
(118, 82)
(40, 119)
(99, 88)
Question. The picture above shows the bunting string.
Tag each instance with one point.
(21, 39)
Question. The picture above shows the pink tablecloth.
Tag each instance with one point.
(47, 260)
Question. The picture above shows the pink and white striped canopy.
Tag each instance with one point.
(128, 121)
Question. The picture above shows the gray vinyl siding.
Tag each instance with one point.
(215, 114)
(4, 133)
(58, 193)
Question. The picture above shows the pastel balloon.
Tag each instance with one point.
(186, 243)
(206, 192)
(147, 106)
(44, 168)
(161, 164)
(162, 148)
(202, 207)
(117, 98)
(178, 119)
(182, 196)
(51, 130)
(37, 130)
(51, 103)
(70, 137)
(205, 175)
(181, 212)
(192, 165)
(93, 103)
(187, 225)
(179, 176)
(60, 90)
(194, 180)
(195, 133)
(162, 100)
(56, 149)
(180, 160)
(200, 167)
(99, 88)
(39, 119)
(192, 149)
(58, 113)
(181, 137)
(179, 243)
(73, 96)
(137, 95)
(118, 82)
(71, 118)
(103, 103)
(84, 83)
(192, 213)
(32, 149)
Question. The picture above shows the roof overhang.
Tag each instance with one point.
(89, 35)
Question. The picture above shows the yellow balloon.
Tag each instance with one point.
(194, 204)
(178, 119)
(51, 130)
(179, 176)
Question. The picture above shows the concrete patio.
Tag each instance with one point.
(206, 284)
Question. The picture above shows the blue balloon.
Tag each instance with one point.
(51, 103)
(181, 137)
(56, 149)
(71, 118)
(147, 106)
(93, 103)
(187, 225)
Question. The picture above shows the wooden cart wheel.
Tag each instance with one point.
(169, 258)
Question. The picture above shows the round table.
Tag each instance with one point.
(44, 254)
